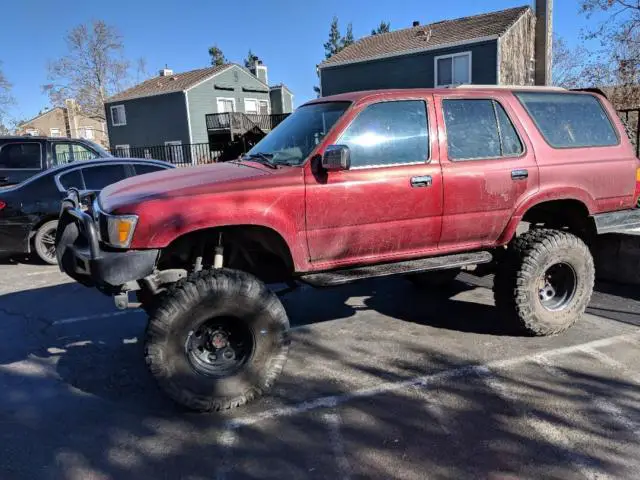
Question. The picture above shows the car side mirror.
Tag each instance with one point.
(336, 157)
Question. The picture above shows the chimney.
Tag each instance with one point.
(260, 71)
(543, 41)
(416, 23)
(166, 72)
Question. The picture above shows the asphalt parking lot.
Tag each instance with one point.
(383, 381)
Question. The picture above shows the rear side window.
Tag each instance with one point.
(96, 178)
(142, 168)
(569, 120)
(479, 129)
(72, 179)
(21, 156)
(388, 133)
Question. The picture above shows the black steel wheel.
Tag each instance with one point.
(44, 242)
(217, 339)
(544, 281)
(219, 347)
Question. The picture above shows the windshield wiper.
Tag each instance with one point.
(267, 158)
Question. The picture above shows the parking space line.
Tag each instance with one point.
(228, 440)
(425, 380)
(98, 316)
(612, 362)
(550, 432)
(334, 423)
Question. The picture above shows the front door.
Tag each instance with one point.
(488, 165)
(389, 203)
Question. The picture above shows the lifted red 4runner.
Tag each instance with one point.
(398, 182)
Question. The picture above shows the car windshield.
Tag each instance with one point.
(293, 140)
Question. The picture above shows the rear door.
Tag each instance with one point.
(389, 203)
(488, 165)
(20, 160)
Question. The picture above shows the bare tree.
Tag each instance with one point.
(93, 69)
(568, 64)
(6, 99)
(618, 59)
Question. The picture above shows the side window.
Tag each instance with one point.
(96, 178)
(21, 156)
(146, 168)
(388, 133)
(569, 119)
(62, 153)
(478, 129)
(80, 152)
(72, 179)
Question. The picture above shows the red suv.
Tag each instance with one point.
(400, 182)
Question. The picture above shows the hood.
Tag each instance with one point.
(179, 182)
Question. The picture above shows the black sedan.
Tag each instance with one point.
(29, 211)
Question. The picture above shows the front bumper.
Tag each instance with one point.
(623, 221)
(81, 257)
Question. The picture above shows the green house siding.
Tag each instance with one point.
(232, 83)
(150, 121)
(408, 71)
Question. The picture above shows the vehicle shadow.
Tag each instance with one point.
(116, 423)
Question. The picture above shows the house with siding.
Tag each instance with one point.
(165, 116)
(65, 121)
(492, 48)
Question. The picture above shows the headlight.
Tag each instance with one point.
(120, 229)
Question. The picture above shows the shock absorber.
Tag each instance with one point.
(218, 256)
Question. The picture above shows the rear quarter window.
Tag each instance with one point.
(570, 120)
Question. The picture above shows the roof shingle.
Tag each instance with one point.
(169, 84)
(428, 36)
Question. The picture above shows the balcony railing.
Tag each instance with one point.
(240, 123)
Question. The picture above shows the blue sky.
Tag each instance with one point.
(287, 34)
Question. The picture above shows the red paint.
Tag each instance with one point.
(373, 215)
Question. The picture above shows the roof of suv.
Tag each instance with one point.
(356, 96)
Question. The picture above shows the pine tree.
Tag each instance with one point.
(384, 27)
(348, 37)
(217, 57)
(333, 45)
(250, 60)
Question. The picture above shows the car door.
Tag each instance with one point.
(488, 165)
(388, 204)
(20, 160)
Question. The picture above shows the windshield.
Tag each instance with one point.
(292, 141)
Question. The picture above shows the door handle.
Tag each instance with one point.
(519, 174)
(423, 181)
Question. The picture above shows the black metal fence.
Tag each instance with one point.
(182, 155)
(631, 119)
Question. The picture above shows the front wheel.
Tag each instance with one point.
(545, 282)
(217, 340)
(44, 242)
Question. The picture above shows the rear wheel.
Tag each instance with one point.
(217, 340)
(437, 278)
(44, 242)
(545, 281)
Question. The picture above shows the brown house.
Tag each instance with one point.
(68, 122)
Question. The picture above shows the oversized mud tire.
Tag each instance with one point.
(435, 279)
(44, 242)
(217, 340)
(544, 282)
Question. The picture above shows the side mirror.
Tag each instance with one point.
(336, 157)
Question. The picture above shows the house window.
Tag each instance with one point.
(226, 105)
(118, 116)
(87, 132)
(122, 150)
(32, 132)
(263, 107)
(453, 69)
(54, 132)
(251, 106)
(174, 152)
